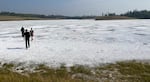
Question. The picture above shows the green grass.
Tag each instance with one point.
(119, 72)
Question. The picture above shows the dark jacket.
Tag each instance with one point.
(27, 35)
(22, 29)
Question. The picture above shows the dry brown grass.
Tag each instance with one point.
(10, 18)
(119, 72)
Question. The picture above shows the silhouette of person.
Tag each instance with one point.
(27, 38)
(22, 31)
(31, 33)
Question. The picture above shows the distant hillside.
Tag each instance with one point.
(112, 17)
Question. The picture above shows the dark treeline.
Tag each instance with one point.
(30, 15)
(144, 14)
(45, 16)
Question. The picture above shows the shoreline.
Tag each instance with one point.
(67, 19)
(18, 18)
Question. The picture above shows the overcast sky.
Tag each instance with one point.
(73, 7)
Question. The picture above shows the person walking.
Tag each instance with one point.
(22, 31)
(27, 38)
(31, 33)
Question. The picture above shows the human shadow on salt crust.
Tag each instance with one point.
(16, 48)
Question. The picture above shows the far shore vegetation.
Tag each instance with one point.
(143, 14)
(129, 71)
